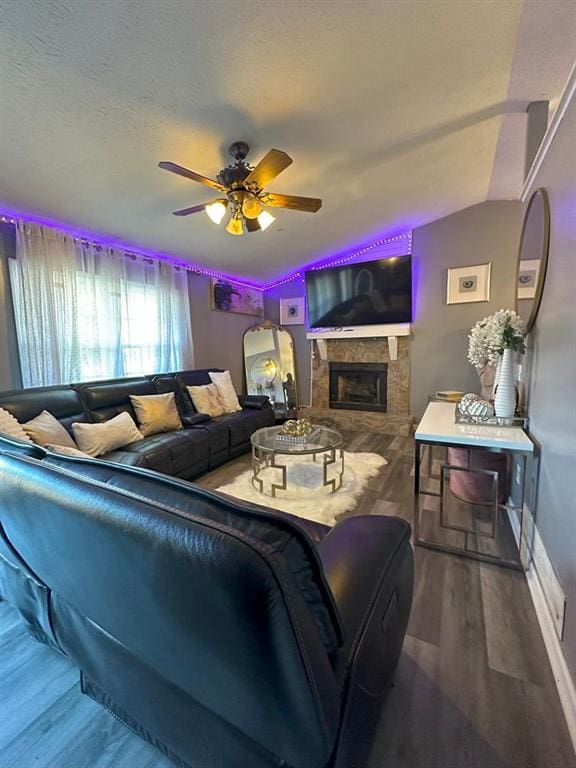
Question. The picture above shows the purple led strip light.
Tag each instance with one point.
(333, 261)
(11, 217)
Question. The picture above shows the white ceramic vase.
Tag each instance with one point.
(505, 399)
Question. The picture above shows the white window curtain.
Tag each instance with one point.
(86, 312)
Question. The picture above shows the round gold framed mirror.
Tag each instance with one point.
(533, 257)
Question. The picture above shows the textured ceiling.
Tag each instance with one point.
(391, 110)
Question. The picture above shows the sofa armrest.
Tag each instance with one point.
(254, 401)
(10, 444)
(368, 564)
(192, 419)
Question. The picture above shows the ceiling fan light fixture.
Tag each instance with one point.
(235, 226)
(265, 219)
(251, 206)
(216, 210)
(245, 190)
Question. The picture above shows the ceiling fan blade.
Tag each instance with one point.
(192, 209)
(308, 204)
(253, 225)
(192, 175)
(268, 168)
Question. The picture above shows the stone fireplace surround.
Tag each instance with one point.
(396, 419)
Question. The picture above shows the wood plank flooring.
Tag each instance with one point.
(473, 688)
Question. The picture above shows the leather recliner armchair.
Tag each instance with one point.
(227, 634)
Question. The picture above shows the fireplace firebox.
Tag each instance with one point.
(358, 386)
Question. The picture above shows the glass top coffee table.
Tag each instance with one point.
(269, 445)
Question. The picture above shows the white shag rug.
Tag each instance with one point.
(305, 496)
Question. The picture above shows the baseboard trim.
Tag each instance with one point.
(562, 677)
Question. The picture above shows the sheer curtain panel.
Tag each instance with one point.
(85, 311)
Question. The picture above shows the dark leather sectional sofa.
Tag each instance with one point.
(203, 444)
(227, 634)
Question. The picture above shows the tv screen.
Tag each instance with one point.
(369, 293)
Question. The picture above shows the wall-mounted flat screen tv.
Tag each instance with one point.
(368, 293)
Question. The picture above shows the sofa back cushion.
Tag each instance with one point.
(210, 609)
(105, 399)
(63, 402)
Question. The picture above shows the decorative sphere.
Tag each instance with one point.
(466, 402)
(480, 410)
(289, 427)
(299, 428)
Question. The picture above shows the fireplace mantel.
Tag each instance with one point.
(391, 331)
(360, 331)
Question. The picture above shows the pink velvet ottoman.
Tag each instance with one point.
(473, 487)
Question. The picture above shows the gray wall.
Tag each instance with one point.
(9, 363)
(552, 395)
(217, 335)
(293, 289)
(488, 232)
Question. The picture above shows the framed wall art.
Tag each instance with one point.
(231, 297)
(292, 311)
(467, 284)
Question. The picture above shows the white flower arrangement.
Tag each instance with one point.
(492, 335)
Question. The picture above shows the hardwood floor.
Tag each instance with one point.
(473, 688)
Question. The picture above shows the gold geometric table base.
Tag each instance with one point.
(265, 459)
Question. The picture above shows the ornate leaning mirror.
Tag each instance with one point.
(270, 366)
(533, 257)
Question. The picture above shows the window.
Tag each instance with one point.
(84, 312)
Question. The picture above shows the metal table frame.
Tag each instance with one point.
(265, 457)
(524, 547)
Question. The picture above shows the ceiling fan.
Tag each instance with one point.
(243, 186)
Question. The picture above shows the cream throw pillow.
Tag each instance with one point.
(223, 383)
(96, 439)
(156, 413)
(45, 429)
(64, 450)
(207, 400)
(11, 427)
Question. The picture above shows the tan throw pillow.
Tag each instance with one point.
(64, 450)
(11, 427)
(156, 413)
(45, 428)
(223, 383)
(96, 439)
(207, 400)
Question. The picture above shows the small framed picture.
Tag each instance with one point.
(292, 311)
(527, 278)
(467, 284)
